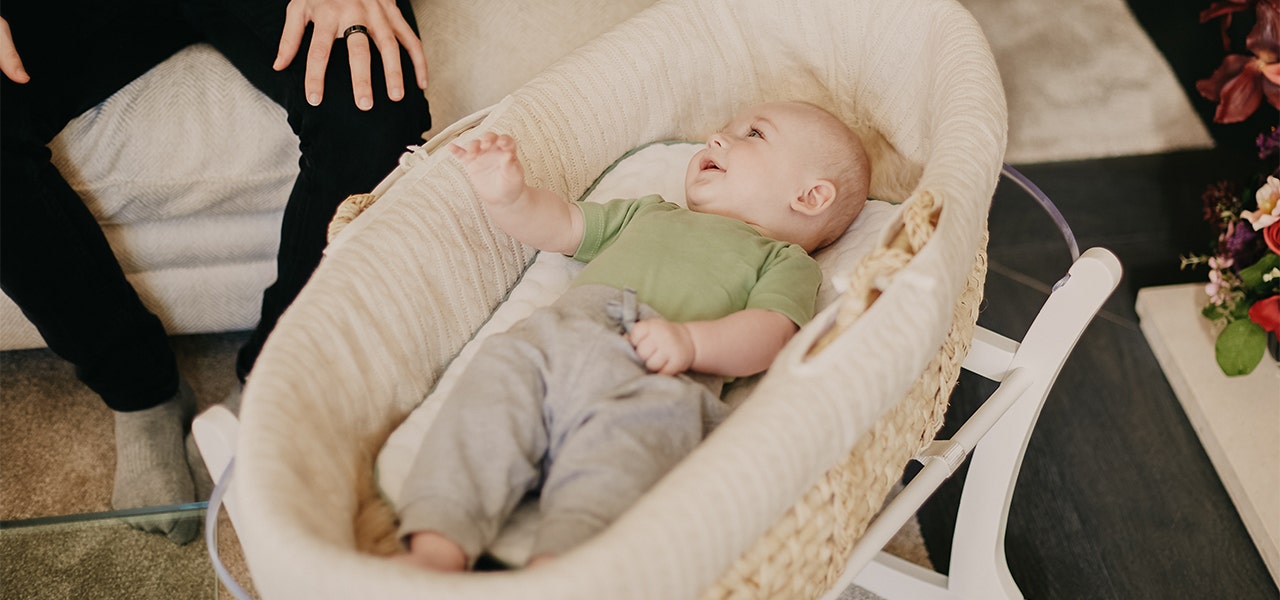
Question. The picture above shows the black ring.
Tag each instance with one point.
(355, 29)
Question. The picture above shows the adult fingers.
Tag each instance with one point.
(295, 25)
(318, 60)
(361, 80)
(390, 52)
(10, 62)
(383, 34)
(404, 34)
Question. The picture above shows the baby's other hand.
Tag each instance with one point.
(665, 347)
(495, 171)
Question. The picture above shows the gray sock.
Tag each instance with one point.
(151, 466)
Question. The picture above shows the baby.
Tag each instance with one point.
(593, 398)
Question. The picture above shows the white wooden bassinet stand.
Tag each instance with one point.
(996, 435)
(776, 500)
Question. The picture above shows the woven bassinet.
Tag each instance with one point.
(769, 505)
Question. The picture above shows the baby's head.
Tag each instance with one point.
(790, 169)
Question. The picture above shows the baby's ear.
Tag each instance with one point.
(815, 199)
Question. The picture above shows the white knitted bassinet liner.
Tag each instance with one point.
(416, 276)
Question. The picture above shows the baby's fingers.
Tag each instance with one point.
(656, 362)
(649, 351)
(465, 153)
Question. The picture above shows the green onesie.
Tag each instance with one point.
(692, 266)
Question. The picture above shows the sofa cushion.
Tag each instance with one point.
(189, 137)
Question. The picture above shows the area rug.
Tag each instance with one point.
(1083, 80)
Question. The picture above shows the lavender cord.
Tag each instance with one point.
(211, 533)
(1047, 205)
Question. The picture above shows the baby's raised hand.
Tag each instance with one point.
(665, 347)
(495, 171)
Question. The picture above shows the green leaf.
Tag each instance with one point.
(1213, 312)
(1239, 311)
(1251, 276)
(1239, 347)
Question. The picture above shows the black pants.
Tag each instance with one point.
(54, 260)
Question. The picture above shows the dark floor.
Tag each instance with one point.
(1116, 497)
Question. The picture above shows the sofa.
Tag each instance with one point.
(188, 167)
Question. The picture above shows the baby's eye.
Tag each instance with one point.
(754, 133)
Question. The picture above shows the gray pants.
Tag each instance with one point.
(560, 400)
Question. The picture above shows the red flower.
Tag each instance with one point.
(1264, 39)
(1224, 9)
(1271, 235)
(1266, 313)
(1241, 81)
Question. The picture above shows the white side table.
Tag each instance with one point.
(1237, 418)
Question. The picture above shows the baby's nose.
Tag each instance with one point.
(716, 140)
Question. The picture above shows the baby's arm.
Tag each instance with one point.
(741, 344)
(534, 216)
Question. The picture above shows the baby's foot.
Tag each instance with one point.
(434, 552)
(151, 465)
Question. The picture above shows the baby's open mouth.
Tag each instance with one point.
(709, 165)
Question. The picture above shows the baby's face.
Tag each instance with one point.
(752, 168)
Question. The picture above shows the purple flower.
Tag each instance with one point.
(1268, 143)
(1243, 245)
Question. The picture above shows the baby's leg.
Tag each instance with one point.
(484, 450)
(613, 451)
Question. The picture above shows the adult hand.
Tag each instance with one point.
(386, 28)
(10, 62)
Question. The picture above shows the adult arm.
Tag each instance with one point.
(10, 62)
(387, 29)
(741, 344)
(532, 215)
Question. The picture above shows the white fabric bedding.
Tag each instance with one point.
(655, 168)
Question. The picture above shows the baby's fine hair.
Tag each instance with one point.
(847, 165)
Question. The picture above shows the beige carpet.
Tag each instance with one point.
(1082, 78)
(108, 559)
(57, 458)
(57, 438)
(1082, 81)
